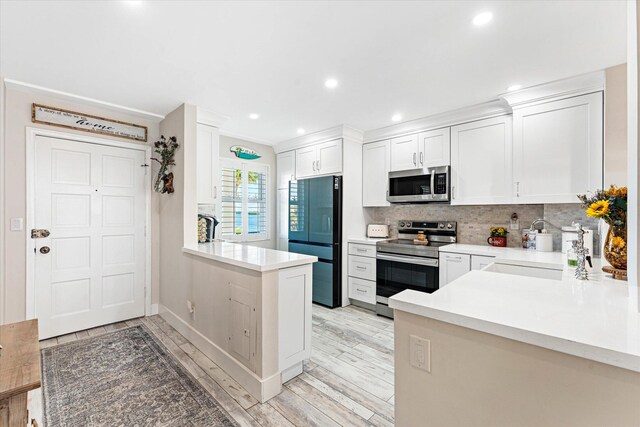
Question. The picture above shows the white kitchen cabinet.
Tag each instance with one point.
(376, 161)
(405, 153)
(558, 149)
(329, 157)
(319, 159)
(434, 148)
(283, 219)
(286, 165)
(453, 266)
(481, 162)
(306, 159)
(362, 273)
(362, 290)
(208, 164)
(294, 317)
(478, 262)
(362, 267)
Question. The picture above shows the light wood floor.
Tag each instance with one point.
(348, 381)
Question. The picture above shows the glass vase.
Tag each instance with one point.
(615, 246)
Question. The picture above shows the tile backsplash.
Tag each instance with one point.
(474, 221)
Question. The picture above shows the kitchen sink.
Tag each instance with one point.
(520, 270)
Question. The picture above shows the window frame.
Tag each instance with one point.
(245, 166)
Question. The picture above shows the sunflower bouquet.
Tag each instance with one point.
(611, 206)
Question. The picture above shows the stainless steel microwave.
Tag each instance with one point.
(420, 186)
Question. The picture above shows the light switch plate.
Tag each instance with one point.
(420, 352)
(17, 224)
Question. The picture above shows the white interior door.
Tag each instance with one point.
(92, 200)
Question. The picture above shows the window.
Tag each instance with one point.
(244, 215)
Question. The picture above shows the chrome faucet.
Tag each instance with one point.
(582, 254)
(541, 220)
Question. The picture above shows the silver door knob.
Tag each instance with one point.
(45, 250)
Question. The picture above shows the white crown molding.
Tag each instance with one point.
(28, 87)
(342, 131)
(210, 118)
(245, 137)
(573, 86)
(462, 115)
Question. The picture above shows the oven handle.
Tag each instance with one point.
(430, 262)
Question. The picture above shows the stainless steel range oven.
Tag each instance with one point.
(403, 264)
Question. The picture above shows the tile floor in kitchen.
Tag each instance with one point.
(348, 381)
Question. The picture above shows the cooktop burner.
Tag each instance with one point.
(438, 233)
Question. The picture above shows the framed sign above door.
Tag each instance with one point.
(86, 122)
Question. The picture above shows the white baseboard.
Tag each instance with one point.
(154, 309)
(261, 389)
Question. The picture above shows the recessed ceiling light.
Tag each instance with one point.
(301, 131)
(331, 83)
(254, 116)
(396, 117)
(514, 87)
(482, 18)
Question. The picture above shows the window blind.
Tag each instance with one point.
(244, 207)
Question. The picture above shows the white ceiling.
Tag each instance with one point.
(272, 58)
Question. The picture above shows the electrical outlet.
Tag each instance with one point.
(420, 353)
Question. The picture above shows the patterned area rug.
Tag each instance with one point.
(123, 378)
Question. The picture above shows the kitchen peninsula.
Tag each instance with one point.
(519, 350)
(250, 312)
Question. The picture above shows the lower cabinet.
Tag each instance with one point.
(453, 266)
(243, 324)
(478, 262)
(362, 272)
(294, 316)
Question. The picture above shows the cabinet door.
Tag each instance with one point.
(478, 262)
(404, 153)
(282, 215)
(306, 162)
(294, 315)
(329, 157)
(435, 148)
(375, 173)
(286, 168)
(558, 150)
(208, 152)
(453, 266)
(481, 162)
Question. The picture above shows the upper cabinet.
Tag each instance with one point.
(286, 165)
(404, 153)
(558, 149)
(435, 148)
(376, 161)
(319, 159)
(481, 162)
(208, 151)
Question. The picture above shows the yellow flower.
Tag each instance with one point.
(618, 242)
(598, 209)
(621, 192)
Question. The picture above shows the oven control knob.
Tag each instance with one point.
(441, 225)
(401, 224)
(449, 226)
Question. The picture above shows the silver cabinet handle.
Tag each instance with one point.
(314, 165)
(359, 267)
(361, 250)
(517, 188)
(422, 158)
(414, 159)
(430, 262)
(453, 191)
(456, 258)
(362, 291)
(215, 191)
(319, 166)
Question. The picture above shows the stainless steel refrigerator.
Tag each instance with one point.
(315, 228)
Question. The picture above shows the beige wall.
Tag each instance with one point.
(268, 158)
(615, 126)
(17, 118)
(478, 379)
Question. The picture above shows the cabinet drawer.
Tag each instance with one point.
(362, 290)
(362, 267)
(362, 250)
(478, 262)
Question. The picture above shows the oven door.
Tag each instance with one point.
(396, 273)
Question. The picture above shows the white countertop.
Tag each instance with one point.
(250, 257)
(514, 256)
(596, 319)
(366, 240)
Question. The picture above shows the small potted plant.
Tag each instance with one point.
(498, 237)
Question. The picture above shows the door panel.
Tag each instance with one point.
(375, 173)
(306, 162)
(435, 148)
(321, 210)
(404, 153)
(92, 200)
(329, 157)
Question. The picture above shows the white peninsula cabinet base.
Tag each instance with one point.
(251, 312)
